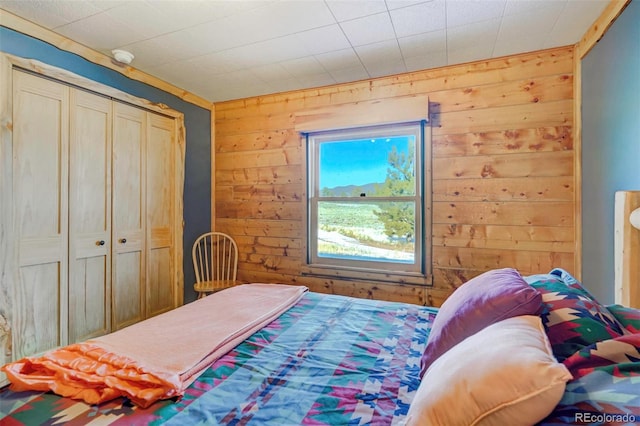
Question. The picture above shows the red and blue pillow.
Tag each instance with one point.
(572, 317)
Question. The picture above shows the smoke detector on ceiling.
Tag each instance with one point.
(122, 56)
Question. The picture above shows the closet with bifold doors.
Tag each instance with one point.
(91, 222)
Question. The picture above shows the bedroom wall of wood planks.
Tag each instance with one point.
(503, 179)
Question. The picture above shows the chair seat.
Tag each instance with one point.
(213, 286)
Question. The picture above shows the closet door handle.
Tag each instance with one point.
(123, 240)
(100, 243)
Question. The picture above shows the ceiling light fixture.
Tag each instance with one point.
(122, 56)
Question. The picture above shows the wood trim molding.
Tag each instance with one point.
(378, 111)
(213, 167)
(65, 76)
(600, 27)
(577, 164)
(19, 24)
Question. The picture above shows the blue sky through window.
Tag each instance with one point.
(359, 161)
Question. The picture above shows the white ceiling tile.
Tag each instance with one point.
(345, 10)
(331, 36)
(149, 53)
(316, 80)
(516, 45)
(421, 18)
(469, 54)
(216, 63)
(285, 85)
(482, 33)
(172, 72)
(339, 59)
(572, 21)
(276, 50)
(515, 31)
(187, 13)
(292, 16)
(423, 62)
(177, 45)
(370, 29)
(101, 31)
(229, 32)
(397, 4)
(154, 23)
(462, 12)
(345, 75)
(303, 66)
(244, 5)
(382, 57)
(272, 73)
(50, 14)
(515, 7)
(423, 44)
(106, 4)
(385, 68)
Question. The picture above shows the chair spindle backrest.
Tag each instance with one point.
(215, 257)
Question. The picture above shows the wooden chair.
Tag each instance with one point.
(215, 261)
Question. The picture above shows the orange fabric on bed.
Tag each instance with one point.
(157, 358)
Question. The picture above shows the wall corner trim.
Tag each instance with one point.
(600, 27)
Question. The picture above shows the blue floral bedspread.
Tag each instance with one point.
(329, 360)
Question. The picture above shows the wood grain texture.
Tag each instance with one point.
(40, 144)
(8, 258)
(502, 164)
(129, 216)
(89, 215)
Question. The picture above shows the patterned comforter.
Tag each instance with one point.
(334, 360)
(329, 360)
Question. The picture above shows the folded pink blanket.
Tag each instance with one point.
(160, 357)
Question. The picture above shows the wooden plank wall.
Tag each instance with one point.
(503, 180)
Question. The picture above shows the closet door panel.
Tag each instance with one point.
(128, 215)
(160, 214)
(40, 179)
(89, 216)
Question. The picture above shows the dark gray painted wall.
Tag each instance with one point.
(610, 143)
(197, 185)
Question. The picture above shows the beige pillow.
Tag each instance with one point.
(504, 374)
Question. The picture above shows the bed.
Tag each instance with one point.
(336, 360)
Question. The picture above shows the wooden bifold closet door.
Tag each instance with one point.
(94, 205)
(41, 219)
(129, 147)
(89, 215)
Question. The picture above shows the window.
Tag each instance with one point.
(366, 207)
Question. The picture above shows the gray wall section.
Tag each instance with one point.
(610, 143)
(197, 185)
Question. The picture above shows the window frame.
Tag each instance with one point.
(417, 272)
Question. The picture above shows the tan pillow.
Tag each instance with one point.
(503, 375)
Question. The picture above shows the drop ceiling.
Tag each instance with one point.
(222, 50)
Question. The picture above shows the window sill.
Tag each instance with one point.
(354, 274)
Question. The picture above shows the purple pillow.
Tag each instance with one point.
(486, 299)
